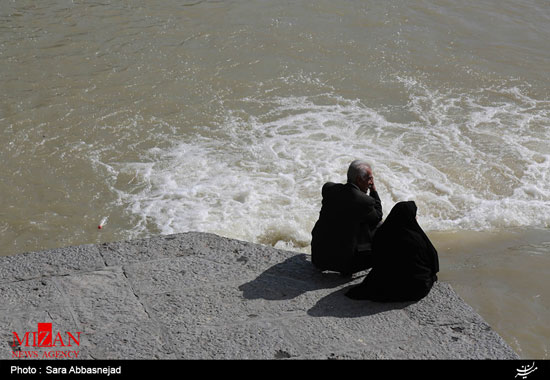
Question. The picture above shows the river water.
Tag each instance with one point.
(158, 117)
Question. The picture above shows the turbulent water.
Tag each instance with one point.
(152, 117)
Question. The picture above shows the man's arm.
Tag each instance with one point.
(375, 216)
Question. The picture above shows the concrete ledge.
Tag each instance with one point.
(201, 296)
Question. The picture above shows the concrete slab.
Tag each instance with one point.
(201, 296)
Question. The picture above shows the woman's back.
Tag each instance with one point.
(405, 261)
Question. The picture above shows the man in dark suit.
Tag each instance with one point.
(341, 237)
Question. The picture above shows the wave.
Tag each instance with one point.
(471, 160)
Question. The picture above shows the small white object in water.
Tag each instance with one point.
(102, 223)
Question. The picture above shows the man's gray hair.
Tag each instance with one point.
(358, 168)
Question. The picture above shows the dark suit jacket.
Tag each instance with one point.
(346, 223)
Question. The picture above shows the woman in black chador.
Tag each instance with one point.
(405, 261)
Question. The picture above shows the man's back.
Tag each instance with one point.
(346, 221)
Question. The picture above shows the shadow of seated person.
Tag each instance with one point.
(338, 305)
(289, 279)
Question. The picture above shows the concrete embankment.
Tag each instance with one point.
(201, 296)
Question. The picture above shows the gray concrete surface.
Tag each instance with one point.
(201, 296)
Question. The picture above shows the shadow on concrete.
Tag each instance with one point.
(338, 305)
(289, 279)
(296, 275)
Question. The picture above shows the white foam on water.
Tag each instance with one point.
(470, 161)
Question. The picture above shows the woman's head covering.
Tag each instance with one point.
(401, 223)
(402, 215)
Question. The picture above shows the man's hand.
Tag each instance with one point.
(372, 186)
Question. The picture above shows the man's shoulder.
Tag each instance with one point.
(344, 191)
(331, 188)
(329, 185)
(359, 197)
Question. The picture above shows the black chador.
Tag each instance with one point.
(405, 261)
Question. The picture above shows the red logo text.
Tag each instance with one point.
(44, 337)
